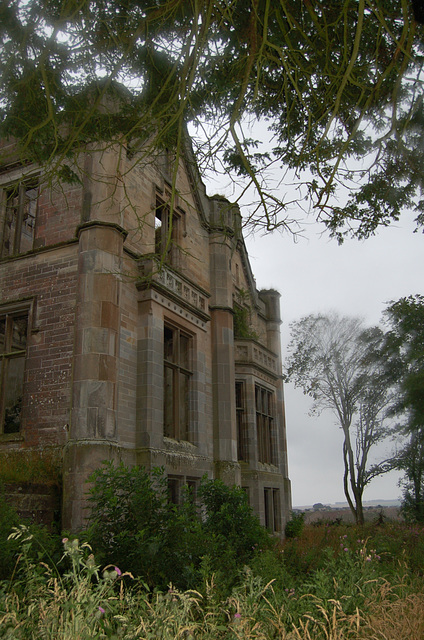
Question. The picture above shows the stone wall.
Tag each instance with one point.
(37, 502)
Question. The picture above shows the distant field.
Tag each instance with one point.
(372, 514)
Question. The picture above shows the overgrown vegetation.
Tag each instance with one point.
(40, 466)
(134, 525)
(331, 582)
(325, 582)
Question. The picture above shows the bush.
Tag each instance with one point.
(232, 533)
(229, 517)
(134, 526)
(8, 548)
(294, 526)
(46, 544)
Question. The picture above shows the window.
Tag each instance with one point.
(177, 375)
(264, 400)
(242, 438)
(182, 488)
(167, 233)
(13, 342)
(272, 509)
(20, 207)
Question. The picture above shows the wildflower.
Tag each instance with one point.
(345, 549)
(64, 540)
(101, 611)
(237, 615)
(118, 571)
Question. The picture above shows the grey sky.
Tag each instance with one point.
(357, 278)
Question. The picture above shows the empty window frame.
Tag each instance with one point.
(167, 233)
(181, 488)
(264, 401)
(19, 215)
(13, 343)
(272, 509)
(242, 434)
(177, 377)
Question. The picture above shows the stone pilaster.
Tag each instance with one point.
(96, 359)
(223, 366)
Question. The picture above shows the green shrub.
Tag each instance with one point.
(134, 526)
(229, 517)
(232, 533)
(8, 548)
(294, 526)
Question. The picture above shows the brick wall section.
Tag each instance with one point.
(37, 502)
(50, 279)
(58, 215)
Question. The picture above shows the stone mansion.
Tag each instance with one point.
(131, 330)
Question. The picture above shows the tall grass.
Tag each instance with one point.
(329, 583)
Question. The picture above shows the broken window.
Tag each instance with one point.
(242, 438)
(19, 214)
(177, 375)
(13, 342)
(264, 401)
(167, 233)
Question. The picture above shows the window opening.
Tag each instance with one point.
(272, 509)
(242, 436)
(264, 401)
(19, 218)
(167, 233)
(177, 374)
(181, 488)
(174, 490)
(13, 342)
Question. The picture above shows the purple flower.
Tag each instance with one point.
(101, 610)
(118, 571)
(237, 615)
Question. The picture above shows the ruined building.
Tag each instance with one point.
(131, 329)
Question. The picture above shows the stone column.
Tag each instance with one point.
(223, 365)
(93, 429)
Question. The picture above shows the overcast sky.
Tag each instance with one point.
(358, 279)
(315, 274)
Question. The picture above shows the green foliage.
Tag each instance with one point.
(294, 526)
(232, 533)
(336, 82)
(354, 585)
(242, 327)
(8, 549)
(39, 466)
(403, 356)
(45, 543)
(134, 526)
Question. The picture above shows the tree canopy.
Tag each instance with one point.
(339, 85)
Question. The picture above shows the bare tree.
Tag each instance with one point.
(331, 360)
